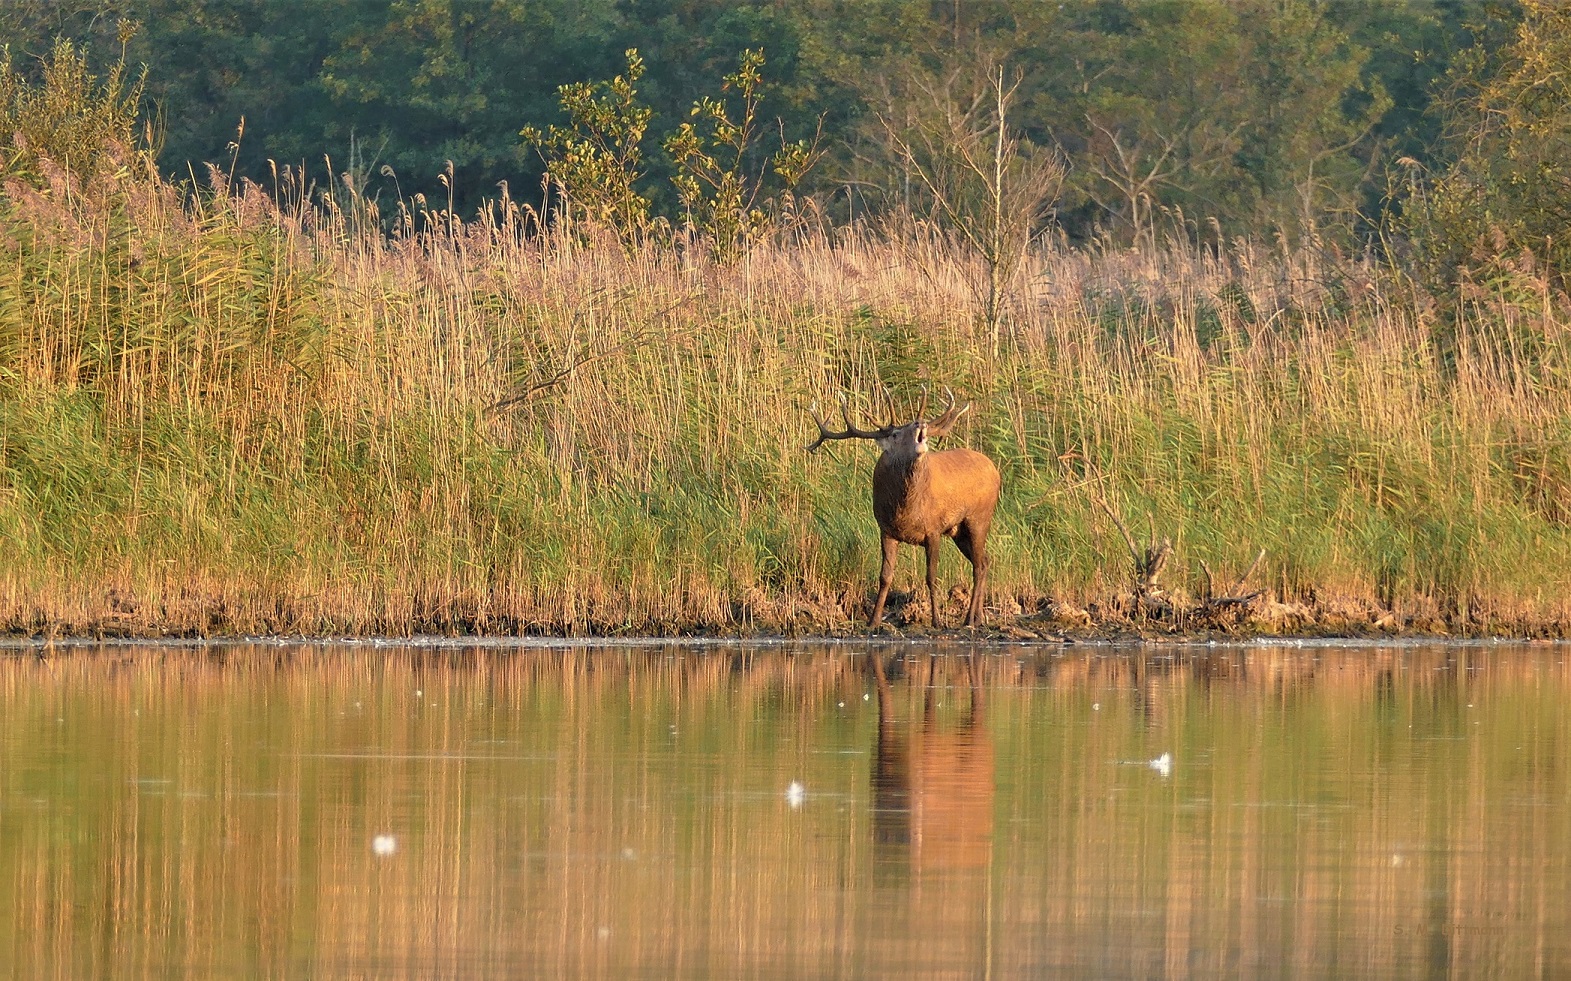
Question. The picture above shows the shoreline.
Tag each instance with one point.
(15, 644)
(1050, 623)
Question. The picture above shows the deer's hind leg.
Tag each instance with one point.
(932, 545)
(971, 537)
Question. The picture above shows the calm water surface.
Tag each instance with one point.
(385, 811)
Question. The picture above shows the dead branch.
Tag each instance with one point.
(1129, 540)
(1233, 596)
(587, 355)
(1148, 561)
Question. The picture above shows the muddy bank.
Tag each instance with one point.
(1030, 618)
(1125, 616)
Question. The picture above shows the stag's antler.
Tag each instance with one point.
(850, 432)
(940, 427)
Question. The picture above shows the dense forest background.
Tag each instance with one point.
(1265, 115)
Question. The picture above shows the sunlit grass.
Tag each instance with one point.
(220, 416)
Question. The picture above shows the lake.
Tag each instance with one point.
(783, 809)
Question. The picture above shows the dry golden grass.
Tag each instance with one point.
(222, 415)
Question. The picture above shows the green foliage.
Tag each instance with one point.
(68, 118)
(595, 161)
(711, 151)
(1168, 107)
(1189, 107)
(1498, 214)
(1411, 46)
(1159, 106)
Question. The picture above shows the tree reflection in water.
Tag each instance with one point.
(619, 811)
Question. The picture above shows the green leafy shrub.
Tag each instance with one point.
(711, 150)
(597, 165)
(595, 162)
(69, 117)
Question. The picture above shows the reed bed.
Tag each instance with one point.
(223, 414)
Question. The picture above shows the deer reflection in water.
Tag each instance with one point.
(932, 822)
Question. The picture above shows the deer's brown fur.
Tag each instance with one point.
(921, 497)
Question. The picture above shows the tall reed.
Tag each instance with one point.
(219, 413)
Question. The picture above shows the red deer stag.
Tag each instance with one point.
(919, 497)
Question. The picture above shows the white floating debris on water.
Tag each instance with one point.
(795, 794)
(1163, 764)
(864, 696)
(842, 704)
(1397, 861)
(604, 933)
(384, 845)
(1096, 706)
(418, 692)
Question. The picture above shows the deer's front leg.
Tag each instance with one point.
(886, 575)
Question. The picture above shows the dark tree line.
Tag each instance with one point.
(1264, 115)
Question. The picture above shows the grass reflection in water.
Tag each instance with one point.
(353, 811)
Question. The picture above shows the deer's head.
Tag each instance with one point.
(902, 441)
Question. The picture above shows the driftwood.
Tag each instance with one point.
(1151, 598)
(1149, 562)
(1232, 597)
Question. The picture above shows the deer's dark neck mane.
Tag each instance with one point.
(896, 489)
(899, 468)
